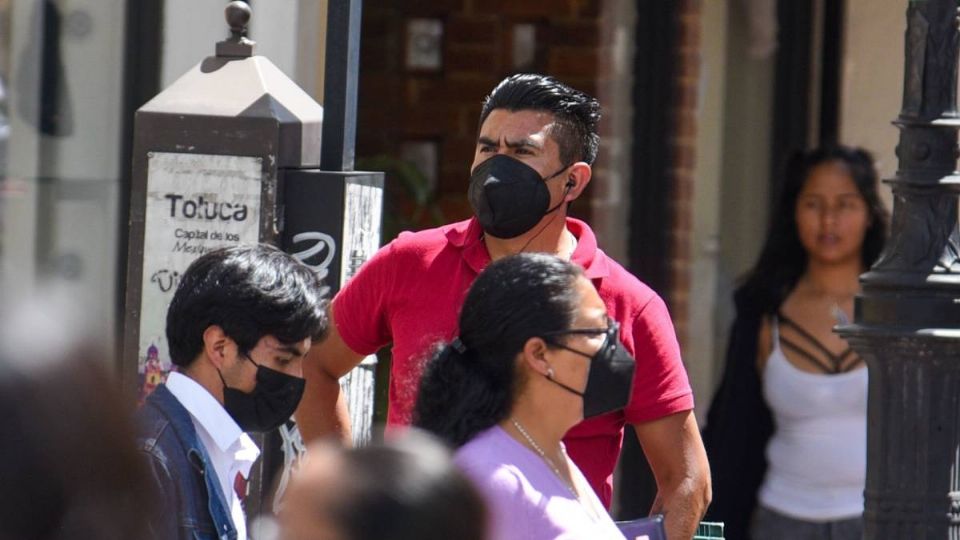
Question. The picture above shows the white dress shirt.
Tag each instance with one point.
(230, 449)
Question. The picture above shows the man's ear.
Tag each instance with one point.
(577, 179)
(534, 355)
(215, 344)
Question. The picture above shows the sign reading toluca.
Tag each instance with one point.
(195, 203)
(205, 209)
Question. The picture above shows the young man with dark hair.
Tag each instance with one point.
(238, 327)
(535, 147)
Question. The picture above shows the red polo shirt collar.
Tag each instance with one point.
(468, 235)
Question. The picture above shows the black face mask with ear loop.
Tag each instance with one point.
(510, 197)
(271, 403)
(610, 379)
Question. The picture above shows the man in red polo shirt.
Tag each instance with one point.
(537, 141)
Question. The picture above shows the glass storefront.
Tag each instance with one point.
(63, 121)
(61, 86)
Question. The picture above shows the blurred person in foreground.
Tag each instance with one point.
(786, 432)
(68, 466)
(537, 140)
(239, 324)
(405, 488)
(537, 353)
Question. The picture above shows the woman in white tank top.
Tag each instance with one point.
(786, 433)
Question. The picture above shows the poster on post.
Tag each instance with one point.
(195, 203)
(362, 216)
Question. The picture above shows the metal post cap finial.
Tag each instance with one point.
(238, 16)
(237, 45)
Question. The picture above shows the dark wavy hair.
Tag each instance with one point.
(250, 292)
(576, 113)
(783, 259)
(470, 385)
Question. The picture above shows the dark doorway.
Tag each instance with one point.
(651, 196)
(806, 107)
(141, 81)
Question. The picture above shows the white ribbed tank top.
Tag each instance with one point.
(818, 453)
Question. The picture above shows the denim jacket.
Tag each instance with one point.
(192, 504)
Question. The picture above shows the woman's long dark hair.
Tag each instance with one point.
(470, 384)
(784, 259)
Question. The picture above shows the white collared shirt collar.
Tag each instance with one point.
(231, 451)
(205, 408)
(210, 415)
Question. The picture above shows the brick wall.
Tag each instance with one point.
(683, 143)
(576, 41)
(398, 105)
(610, 196)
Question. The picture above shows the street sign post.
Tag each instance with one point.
(230, 153)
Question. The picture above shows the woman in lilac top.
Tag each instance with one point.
(536, 354)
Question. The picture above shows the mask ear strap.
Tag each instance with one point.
(548, 212)
(242, 355)
(247, 357)
(556, 174)
(569, 186)
(550, 378)
(559, 204)
(222, 380)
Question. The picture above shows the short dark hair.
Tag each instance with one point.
(250, 292)
(577, 114)
(467, 389)
(783, 259)
(406, 488)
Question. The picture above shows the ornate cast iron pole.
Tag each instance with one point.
(907, 320)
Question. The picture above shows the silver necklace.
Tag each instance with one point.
(543, 454)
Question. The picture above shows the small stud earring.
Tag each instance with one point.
(549, 373)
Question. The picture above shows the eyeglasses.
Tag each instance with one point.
(612, 329)
(612, 333)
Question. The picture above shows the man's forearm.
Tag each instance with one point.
(679, 463)
(683, 506)
(323, 410)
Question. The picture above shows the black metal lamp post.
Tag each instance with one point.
(907, 319)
